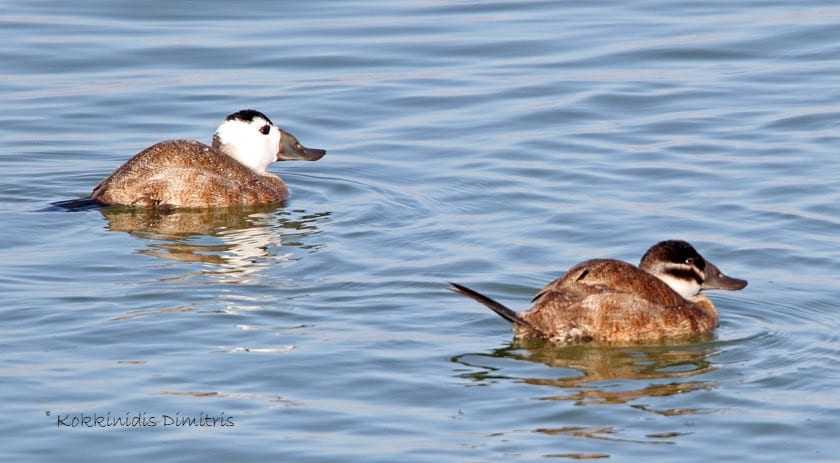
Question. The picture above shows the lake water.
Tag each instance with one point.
(490, 143)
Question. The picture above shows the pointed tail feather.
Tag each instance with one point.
(500, 309)
(81, 204)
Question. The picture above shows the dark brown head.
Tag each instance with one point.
(679, 265)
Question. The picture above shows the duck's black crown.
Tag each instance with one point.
(674, 251)
(248, 115)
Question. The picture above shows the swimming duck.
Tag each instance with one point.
(615, 302)
(189, 174)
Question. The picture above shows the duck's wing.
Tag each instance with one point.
(610, 275)
(587, 273)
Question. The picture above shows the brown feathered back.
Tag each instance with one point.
(187, 174)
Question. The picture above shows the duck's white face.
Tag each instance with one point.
(254, 143)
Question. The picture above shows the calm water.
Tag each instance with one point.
(492, 143)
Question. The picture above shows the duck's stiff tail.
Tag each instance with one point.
(500, 309)
(81, 204)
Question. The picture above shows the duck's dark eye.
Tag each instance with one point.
(689, 261)
(265, 129)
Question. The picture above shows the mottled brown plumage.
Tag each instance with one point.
(610, 301)
(613, 302)
(187, 174)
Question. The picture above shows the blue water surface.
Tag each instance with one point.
(490, 143)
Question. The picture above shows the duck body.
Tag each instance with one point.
(187, 174)
(609, 301)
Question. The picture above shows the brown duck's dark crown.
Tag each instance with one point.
(673, 251)
(248, 115)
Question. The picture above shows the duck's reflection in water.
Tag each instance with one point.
(592, 373)
(233, 244)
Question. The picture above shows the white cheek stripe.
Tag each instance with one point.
(685, 288)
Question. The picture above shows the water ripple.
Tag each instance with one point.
(493, 143)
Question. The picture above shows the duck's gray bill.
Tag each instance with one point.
(292, 150)
(715, 279)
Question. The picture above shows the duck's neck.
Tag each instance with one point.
(244, 156)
